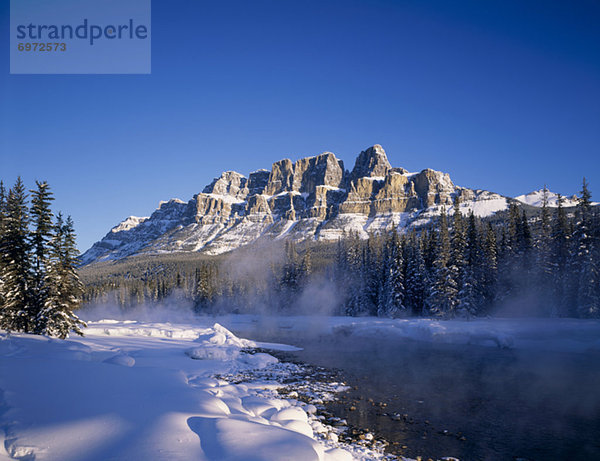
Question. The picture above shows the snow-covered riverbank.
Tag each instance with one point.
(147, 391)
(195, 391)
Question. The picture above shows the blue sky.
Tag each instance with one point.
(503, 95)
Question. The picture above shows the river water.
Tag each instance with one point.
(466, 401)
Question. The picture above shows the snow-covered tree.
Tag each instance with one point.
(417, 278)
(442, 298)
(64, 288)
(41, 218)
(2, 230)
(392, 293)
(489, 269)
(17, 308)
(560, 258)
(588, 291)
(469, 294)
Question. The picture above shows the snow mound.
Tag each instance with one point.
(220, 336)
(121, 359)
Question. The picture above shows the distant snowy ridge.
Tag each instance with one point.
(314, 198)
(128, 224)
(536, 199)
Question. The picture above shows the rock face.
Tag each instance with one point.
(371, 163)
(312, 198)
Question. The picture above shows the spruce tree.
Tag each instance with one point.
(2, 233)
(469, 295)
(544, 266)
(441, 301)
(489, 276)
(16, 314)
(41, 218)
(417, 278)
(354, 282)
(392, 304)
(588, 293)
(560, 258)
(64, 288)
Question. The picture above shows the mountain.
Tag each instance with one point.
(312, 198)
(535, 198)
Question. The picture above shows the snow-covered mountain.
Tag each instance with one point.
(312, 198)
(536, 197)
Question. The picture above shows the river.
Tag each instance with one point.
(471, 402)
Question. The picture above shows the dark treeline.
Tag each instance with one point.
(458, 266)
(465, 267)
(39, 284)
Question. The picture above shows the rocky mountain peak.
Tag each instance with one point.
(371, 163)
(306, 174)
(229, 183)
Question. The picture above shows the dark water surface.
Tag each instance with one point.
(465, 401)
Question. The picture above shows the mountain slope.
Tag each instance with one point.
(312, 198)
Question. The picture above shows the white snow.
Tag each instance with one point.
(225, 198)
(129, 223)
(328, 187)
(164, 202)
(483, 205)
(148, 391)
(535, 198)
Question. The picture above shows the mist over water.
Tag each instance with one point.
(174, 309)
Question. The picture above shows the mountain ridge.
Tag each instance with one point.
(311, 198)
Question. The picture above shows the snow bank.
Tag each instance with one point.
(454, 332)
(129, 390)
(567, 335)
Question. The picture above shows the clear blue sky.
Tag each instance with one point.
(503, 95)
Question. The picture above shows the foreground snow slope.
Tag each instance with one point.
(132, 391)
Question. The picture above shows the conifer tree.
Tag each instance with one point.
(489, 274)
(306, 266)
(417, 278)
(544, 267)
(64, 288)
(354, 283)
(588, 292)
(41, 218)
(2, 233)
(392, 297)
(469, 295)
(441, 301)
(560, 259)
(290, 280)
(17, 276)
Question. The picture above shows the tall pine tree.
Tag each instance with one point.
(17, 309)
(41, 218)
(64, 288)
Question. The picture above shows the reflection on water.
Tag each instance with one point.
(470, 402)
